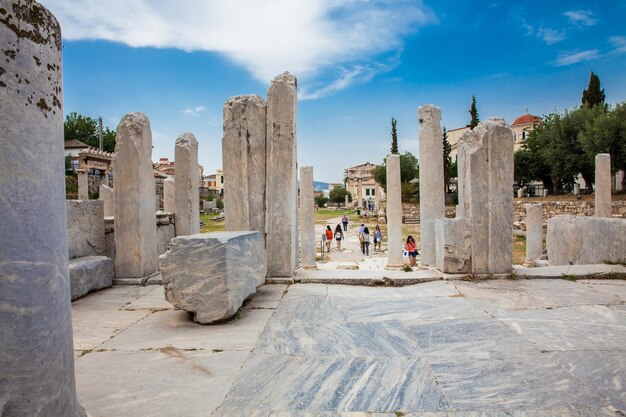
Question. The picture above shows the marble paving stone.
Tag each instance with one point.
(604, 372)
(267, 296)
(90, 331)
(153, 301)
(411, 310)
(337, 338)
(621, 308)
(299, 291)
(175, 327)
(201, 380)
(313, 308)
(113, 298)
(424, 290)
(523, 383)
(281, 382)
(476, 338)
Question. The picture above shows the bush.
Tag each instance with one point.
(219, 204)
(321, 201)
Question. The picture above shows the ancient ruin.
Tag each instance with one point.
(603, 185)
(186, 186)
(394, 213)
(307, 219)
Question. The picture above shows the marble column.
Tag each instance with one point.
(169, 195)
(534, 233)
(432, 204)
(394, 213)
(307, 218)
(346, 201)
(108, 200)
(576, 188)
(186, 183)
(83, 184)
(135, 215)
(243, 160)
(359, 192)
(104, 180)
(36, 357)
(603, 185)
(281, 218)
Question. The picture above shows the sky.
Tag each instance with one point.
(358, 63)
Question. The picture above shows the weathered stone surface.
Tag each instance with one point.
(534, 232)
(209, 205)
(394, 213)
(169, 195)
(487, 174)
(243, 159)
(107, 196)
(432, 204)
(603, 185)
(187, 183)
(85, 228)
(36, 363)
(281, 217)
(211, 274)
(90, 273)
(135, 200)
(307, 218)
(573, 240)
(83, 184)
(453, 241)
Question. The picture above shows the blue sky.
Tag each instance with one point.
(358, 63)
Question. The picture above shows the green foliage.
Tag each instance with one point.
(338, 195)
(394, 137)
(410, 192)
(409, 169)
(604, 131)
(523, 167)
(320, 201)
(593, 95)
(68, 162)
(85, 129)
(449, 167)
(210, 197)
(219, 203)
(474, 114)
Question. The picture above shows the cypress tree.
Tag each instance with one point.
(593, 96)
(447, 160)
(474, 114)
(394, 137)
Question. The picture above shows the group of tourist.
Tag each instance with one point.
(364, 239)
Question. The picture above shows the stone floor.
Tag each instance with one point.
(439, 349)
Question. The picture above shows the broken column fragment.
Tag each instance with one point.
(186, 184)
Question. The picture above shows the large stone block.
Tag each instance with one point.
(534, 232)
(211, 274)
(281, 217)
(108, 200)
(187, 183)
(603, 185)
(169, 195)
(90, 273)
(135, 199)
(85, 228)
(574, 240)
(453, 244)
(243, 159)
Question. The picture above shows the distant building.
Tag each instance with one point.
(361, 184)
(72, 149)
(168, 168)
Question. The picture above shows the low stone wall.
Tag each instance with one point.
(85, 228)
(411, 211)
(555, 208)
(166, 231)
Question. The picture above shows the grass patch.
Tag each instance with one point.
(211, 225)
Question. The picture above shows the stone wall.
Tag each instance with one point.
(555, 208)
(165, 232)
(411, 211)
(85, 228)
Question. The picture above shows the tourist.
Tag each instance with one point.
(366, 241)
(344, 220)
(338, 236)
(329, 238)
(365, 213)
(378, 238)
(411, 249)
(361, 237)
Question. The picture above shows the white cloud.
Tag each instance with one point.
(581, 17)
(265, 37)
(569, 58)
(551, 36)
(619, 44)
(194, 111)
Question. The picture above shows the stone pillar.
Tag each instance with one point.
(83, 184)
(105, 178)
(135, 217)
(347, 201)
(186, 182)
(359, 192)
(576, 188)
(534, 233)
(169, 195)
(36, 358)
(281, 221)
(307, 218)
(432, 199)
(394, 213)
(603, 185)
(108, 200)
(520, 192)
(243, 161)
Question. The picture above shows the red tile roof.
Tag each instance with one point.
(526, 119)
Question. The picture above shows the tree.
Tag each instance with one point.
(449, 167)
(338, 195)
(394, 137)
(85, 129)
(409, 169)
(474, 114)
(523, 167)
(321, 201)
(593, 96)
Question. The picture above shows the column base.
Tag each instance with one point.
(151, 279)
(394, 266)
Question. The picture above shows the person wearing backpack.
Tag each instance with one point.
(329, 238)
(344, 220)
(361, 241)
(378, 238)
(366, 241)
(338, 236)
